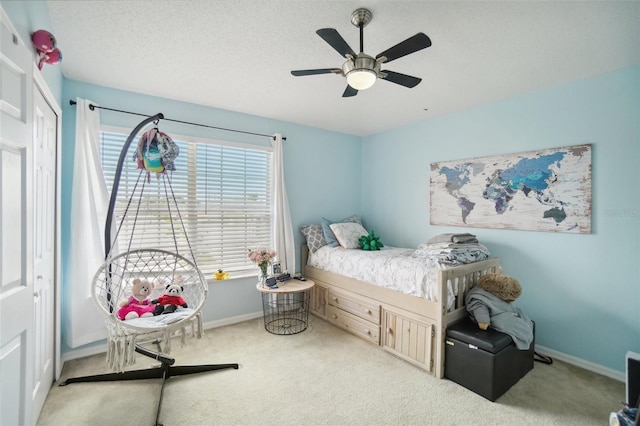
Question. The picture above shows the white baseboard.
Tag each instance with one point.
(579, 362)
(101, 347)
(81, 353)
(232, 320)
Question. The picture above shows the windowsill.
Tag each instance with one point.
(232, 278)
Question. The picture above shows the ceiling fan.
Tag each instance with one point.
(362, 70)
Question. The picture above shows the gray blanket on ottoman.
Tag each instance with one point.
(502, 316)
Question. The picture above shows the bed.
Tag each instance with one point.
(410, 324)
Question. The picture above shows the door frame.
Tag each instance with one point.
(40, 83)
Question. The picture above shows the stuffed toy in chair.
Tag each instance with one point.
(138, 304)
(170, 300)
(489, 304)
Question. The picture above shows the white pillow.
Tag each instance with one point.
(348, 234)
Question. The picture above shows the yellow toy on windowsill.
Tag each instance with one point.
(221, 275)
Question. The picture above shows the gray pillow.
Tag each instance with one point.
(314, 236)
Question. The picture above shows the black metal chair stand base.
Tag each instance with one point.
(163, 371)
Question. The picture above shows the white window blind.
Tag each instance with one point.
(223, 193)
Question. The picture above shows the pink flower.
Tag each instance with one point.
(262, 257)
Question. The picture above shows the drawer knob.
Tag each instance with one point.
(335, 299)
(335, 316)
(369, 311)
(390, 330)
(368, 332)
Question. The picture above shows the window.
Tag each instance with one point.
(223, 194)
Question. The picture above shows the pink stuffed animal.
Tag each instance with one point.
(45, 44)
(139, 303)
(51, 58)
(43, 41)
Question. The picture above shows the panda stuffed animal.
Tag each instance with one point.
(170, 301)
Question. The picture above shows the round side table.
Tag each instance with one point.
(286, 308)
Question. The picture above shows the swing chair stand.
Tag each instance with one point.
(112, 275)
(164, 371)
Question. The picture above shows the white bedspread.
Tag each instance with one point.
(410, 271)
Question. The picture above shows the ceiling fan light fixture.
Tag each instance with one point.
(361, 79)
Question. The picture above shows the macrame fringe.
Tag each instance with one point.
(167, 341)
(121, 349)
(200, 332)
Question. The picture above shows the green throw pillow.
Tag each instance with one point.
(370, 242)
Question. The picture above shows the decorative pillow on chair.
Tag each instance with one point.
(314, 236)
(329, 236)
(348, 234)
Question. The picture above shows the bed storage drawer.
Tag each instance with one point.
(353, 324)
(363, 308)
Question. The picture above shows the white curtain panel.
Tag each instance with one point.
(89, 205)
(281, 227)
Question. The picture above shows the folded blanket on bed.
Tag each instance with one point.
(452, 253)
(453, 238)
(502, 316)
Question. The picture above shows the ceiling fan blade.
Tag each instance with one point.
(335, 40)
(401, 79)
(349, 91)
(412, 44)
(300, 73)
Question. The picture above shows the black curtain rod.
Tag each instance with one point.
(92, 107)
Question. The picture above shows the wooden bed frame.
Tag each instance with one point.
(409, 327)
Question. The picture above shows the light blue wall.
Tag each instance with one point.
(27, 17)
(313, 188)
(583, 291)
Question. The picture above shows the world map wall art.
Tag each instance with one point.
(545, 190)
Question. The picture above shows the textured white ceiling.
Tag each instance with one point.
(238, 54)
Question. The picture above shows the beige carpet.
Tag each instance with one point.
(322, 376)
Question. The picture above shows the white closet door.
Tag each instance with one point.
(16, 247)
(45, 122)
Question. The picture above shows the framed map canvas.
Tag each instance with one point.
(546, 190)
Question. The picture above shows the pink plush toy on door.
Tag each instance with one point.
(43, 41)
(45, 44)
(51, 58)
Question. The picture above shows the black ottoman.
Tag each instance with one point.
(484, 361)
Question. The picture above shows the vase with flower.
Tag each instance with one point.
(262, 257)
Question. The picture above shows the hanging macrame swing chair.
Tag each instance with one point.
(164, 270)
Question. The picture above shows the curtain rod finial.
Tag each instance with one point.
(72, 102)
